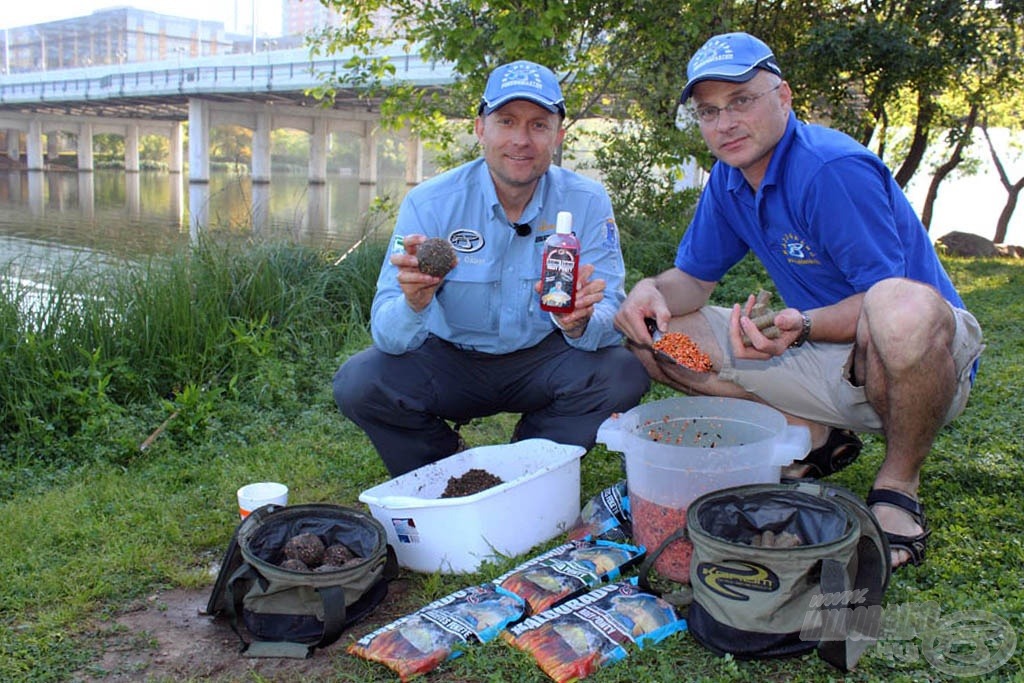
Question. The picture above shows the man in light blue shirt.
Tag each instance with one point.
(475, 342)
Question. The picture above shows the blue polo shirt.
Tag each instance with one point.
(827, 222)
(487, 302)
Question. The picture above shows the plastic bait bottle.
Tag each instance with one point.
(560, 267)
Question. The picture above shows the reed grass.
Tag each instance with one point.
(100, 344)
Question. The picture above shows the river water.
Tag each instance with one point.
(112, 216)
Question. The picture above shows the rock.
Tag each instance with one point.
(958, 243)
(1010, 250)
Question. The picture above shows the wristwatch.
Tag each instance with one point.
(805, 332)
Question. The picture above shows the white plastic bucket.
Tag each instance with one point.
(678, 449)
(253, 496)
(538, 499)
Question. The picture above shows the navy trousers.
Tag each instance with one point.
(404, 403)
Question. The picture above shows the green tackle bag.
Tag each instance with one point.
(820, 588)
(291, 613)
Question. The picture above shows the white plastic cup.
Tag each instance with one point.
(253, 496)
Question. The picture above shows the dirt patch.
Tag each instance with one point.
(168, 637)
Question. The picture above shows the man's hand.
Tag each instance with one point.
(588, 294)
(644, 302)
(419, 288)
(789, 323)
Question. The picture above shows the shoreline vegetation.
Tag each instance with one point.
(223, 355)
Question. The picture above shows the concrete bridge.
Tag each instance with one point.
(263, 91)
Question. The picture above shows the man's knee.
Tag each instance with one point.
(906, 318)
(351, 383)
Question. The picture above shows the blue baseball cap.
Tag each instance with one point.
(733, 57)
(522, 80)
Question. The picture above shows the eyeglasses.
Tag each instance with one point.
(707, 113)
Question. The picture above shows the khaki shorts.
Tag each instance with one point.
(813, 381)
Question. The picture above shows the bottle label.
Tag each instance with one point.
(557, 291)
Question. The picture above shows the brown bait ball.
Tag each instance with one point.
(436, 257)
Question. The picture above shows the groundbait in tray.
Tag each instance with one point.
(419, 642)
(574, 639)
(568, 570)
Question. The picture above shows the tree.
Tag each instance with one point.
(1013, 189)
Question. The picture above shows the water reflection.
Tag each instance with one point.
(118, 215)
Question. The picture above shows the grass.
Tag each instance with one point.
(240, 348)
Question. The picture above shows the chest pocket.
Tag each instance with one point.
(471, 299)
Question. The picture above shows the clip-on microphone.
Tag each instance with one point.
(522, 229)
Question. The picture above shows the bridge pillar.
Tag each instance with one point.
(174, 163)
(13, 144)
(53, 145)
(318, 151)
(198, 143)
(368, 157)
(261, 148)
(131, 149)
(413, 160)
(85, 162)
(34, 145)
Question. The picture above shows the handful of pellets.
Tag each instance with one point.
(306, 552)
(763, 317)
(770, 539)
(684, 351)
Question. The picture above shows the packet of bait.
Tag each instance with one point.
(421, 641)
(606, 516)
(567, 570)
(575, 639)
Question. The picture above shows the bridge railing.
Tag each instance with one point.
(273, 71)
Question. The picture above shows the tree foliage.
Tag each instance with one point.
(902, 76)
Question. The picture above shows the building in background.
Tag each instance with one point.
(127, 35)
(300, 17)
(110, 36)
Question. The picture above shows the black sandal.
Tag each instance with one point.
(839, 452)
(914, 545)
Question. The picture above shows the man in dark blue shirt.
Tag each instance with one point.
(874, 337)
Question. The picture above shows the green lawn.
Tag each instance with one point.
(84, 537)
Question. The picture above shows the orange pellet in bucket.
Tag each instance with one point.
(652, 524)
(683, 351)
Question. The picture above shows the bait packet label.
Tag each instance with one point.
(575, 639)
(419, 642)
(606, 516)
(568, 570)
